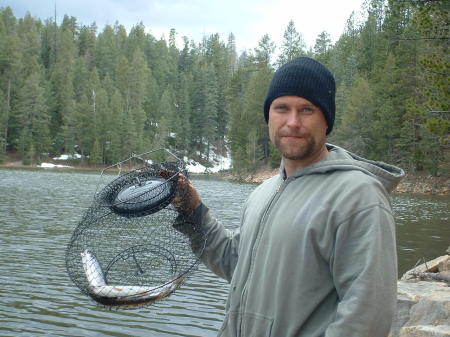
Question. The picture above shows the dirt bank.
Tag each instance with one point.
(411, 184)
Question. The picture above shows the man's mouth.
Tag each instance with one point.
(292, 136)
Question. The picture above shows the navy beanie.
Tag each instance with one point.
(307, 78)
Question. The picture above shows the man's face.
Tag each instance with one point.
(297, 128)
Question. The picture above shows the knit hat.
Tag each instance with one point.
(307, 78)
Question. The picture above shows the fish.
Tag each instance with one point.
(122, 296)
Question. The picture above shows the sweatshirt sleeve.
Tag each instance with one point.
(364, 270)
(220, 252)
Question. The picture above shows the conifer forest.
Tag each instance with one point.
(104, 92)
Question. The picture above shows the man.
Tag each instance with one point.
(315, 253)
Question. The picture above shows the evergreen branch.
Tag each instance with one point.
(421, 1)
(421, 38)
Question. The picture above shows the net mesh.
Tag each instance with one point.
(125, 253)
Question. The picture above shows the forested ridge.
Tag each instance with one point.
(104, 94)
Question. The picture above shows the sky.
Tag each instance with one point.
(248, 20)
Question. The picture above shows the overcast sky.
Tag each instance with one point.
(248, 20)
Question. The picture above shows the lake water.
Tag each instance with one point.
(40, 209)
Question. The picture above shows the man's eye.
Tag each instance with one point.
(308, 110)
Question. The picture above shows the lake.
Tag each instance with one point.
(39, 210)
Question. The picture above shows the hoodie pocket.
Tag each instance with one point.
(237, 324)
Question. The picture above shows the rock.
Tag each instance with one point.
(445, 275)
(423, 184)
(423, 307)
(444, 265)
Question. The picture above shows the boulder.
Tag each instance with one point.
(423, 307)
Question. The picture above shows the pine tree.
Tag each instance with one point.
(357, 116)
(10, 57)
(76, 128)
(96, 153)
(103, 122)
(32, 117)
(257, 139)
(61, 79)
(167, 111)
(248, 134)
(431, 20)
(136, 41)
(136, 95)
(264, 51)
(106, 52)
(237, 130)
(322, 48)
(184, 112)
(117, 135)
(4, 116)
(210, 109)
(293, 44)
(152, 100)
(388, 114)
(231, 53)
(87, 43)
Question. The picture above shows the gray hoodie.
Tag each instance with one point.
(315, 253)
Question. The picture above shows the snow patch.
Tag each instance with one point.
(68, 156)
(194, 167)
(220, 164)
(223, 163)
(50, 165)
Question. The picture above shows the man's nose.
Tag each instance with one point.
(293, 119)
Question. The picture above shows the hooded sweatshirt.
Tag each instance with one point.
(315, 253)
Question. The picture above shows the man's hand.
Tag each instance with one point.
(186, 199)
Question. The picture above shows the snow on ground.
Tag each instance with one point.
(221, 163)
(224, 163)
(68, 156)
(50, 165)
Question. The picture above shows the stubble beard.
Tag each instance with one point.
(301, 152)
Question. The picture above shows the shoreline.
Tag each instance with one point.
(422, 184)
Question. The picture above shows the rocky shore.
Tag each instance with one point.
(423, 301)
(411, 184)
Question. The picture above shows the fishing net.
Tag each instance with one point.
(125, 252)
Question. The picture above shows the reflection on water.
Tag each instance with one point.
(40, 209)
